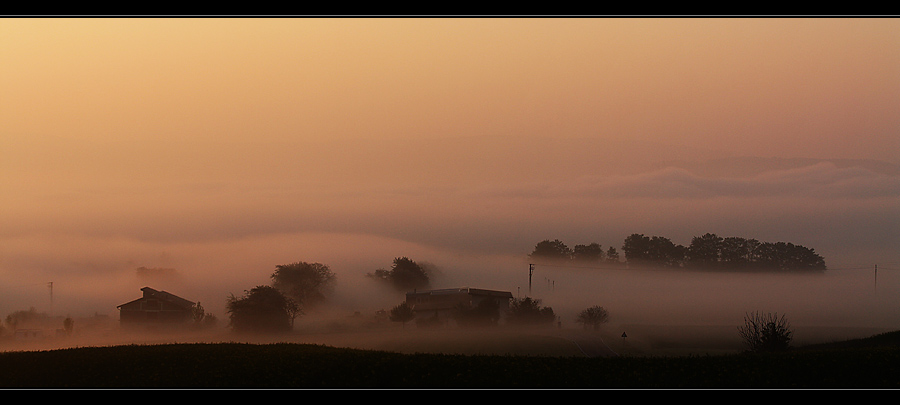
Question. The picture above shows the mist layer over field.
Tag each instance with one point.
(210, 272)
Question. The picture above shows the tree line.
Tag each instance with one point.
(706, 252)
(303, 286)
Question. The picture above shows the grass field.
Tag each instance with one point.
(402, 359)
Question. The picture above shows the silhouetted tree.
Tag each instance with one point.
(663, 252)
(405, 275)
(711, 251)
(784, 256)
(593, 316)
(766, 332)
(708, 252)
(703, 252)
(201, 318)
(402, 313)
(643, 250)
(612, 256)
(590, 254)
(262, 309)
(308, 284)
(737, 253)
(636, 248)
(529, 311)
(548, 250)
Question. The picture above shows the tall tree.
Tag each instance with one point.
(783, 256)
(663, 252)
(308, 284)
(547, 250)
(612, 256)
(704, 250)
(736, 252)
(636, 248)
(404, 275)
(592, 253)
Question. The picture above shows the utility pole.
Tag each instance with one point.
(530, 272)
(50, 284)
(876, 279)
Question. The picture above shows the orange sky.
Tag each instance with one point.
(152, 135)
(811, 87)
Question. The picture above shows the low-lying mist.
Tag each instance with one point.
(211, 272)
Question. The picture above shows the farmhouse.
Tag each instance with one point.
(155, 307)
(439, 304)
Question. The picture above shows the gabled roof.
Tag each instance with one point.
(162, 296)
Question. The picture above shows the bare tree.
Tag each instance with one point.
(766, 332)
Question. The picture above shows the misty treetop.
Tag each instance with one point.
(712, 252)
(262, 309)
(556, 250)
(657, 251)
(404, 275)
(705, 252)
(308, 284)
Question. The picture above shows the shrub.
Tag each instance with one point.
(262, 309)
(766, 332)
(529, 311)
(593, 316)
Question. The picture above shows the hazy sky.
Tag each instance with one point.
(223, 147)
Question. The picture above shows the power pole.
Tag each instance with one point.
(530, 272)
(50, 284)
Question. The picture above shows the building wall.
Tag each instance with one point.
(152, 310)
(440, 303)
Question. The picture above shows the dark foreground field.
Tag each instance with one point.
(864, 363)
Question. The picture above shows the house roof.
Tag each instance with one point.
(463, 290)
(162, 296)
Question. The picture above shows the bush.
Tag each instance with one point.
(766, 332)
(593, 316)
(262, 309)
(529, 311)
(402, 313)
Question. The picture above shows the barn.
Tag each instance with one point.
(156, 307)
(440, 303)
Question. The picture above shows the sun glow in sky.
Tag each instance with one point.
(227, 146)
